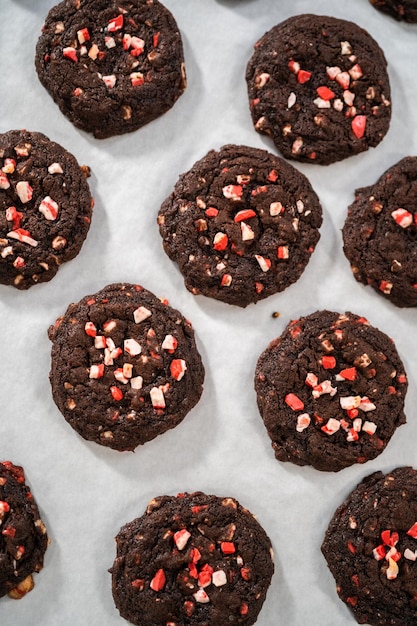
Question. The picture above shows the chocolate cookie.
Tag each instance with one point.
(400, 9)
(45, 208)
(125, 367)
(192, 559)
(319, 87)
(371, 549)
(23, 537)
(380, 232)
(111, 66)
(330, 390)
(241, 224)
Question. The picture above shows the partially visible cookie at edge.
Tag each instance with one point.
(23, 536)
(371, 547)
(331, 391)
(192, 559)
(319, 87)
(45, 207)
(380, 234)
(124, 366)
(241, 224)
(401, 10)
(111, 66)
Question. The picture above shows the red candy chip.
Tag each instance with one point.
(233, 192)
(245, 573)
(4, 506)
(227, 547)
(177, 368)
(193, 570)
(70, 53)
(294, 402)
(220, 241)
(195, 555)
(359, 125)
(246, 214)
(158, 581)
(90, 329)
(349, 373)
(303, 76)
(115, 24)
(389, 539)
(189, 607)
(116, 393)
(244, 609)
(197, 508)
(204, 576)
(138, 583)
(379, 553)
(413, 531)
(211, 211)
(325, 93)
(328, 362)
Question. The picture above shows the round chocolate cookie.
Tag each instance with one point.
(45, 208)
(241, 224)
(319, 87)
(400, 9)
(125, 367)
(371, 549)
(193, 559)
(111, 66)
(380, 234)
(23, 537)
(331, 391)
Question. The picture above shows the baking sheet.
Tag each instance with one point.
(86, 492)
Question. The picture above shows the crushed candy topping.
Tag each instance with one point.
(49, 208)
(141, 314)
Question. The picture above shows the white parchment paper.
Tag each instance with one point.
(86, 492)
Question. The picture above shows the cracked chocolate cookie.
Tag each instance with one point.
(111, 66)
(45, 208)
(192, 559)
(380, 234)
(319, 87)
(405, 10)
(124, 366)
(330, 391)
(371, 549)
(23, 536)
(241, 225)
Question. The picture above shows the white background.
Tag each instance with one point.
(86, 492)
